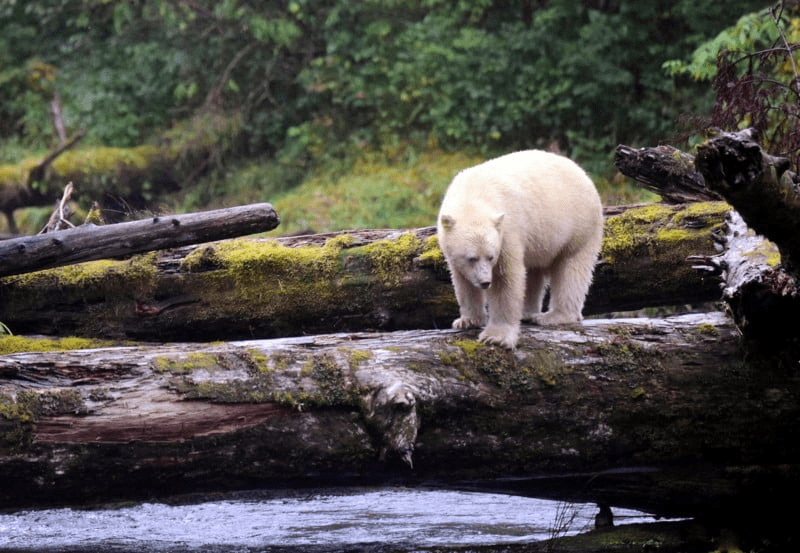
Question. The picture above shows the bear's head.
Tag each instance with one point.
(472, 246)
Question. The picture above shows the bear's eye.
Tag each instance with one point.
(489, 258)
(472, 259)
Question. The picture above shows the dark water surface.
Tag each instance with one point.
(357, 520)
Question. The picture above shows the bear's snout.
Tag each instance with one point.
(485, 284)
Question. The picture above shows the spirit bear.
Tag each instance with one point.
(511, 226)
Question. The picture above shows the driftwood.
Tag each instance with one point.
(661, 415)
(90, 242)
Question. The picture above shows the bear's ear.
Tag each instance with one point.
(497, 219)
(448, 222)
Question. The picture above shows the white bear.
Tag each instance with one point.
(510, 226)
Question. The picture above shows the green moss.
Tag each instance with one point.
(766, 253)
(707, 329)
(281, 361)
(259, 360)
(19, 344)
(333, 389)
(340, 242)
(185, 365)
(547, 366)
(626, 355)
(356, 357)
(392, 258)
(432, 253)
(15, 411)
(657, 229)
(137, 273)
(702, 212)
(541, 366)
(259, 279)
(469, 347)
(450, 358)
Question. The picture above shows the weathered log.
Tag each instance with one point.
(355, 280)
(90, 242)
(662, 415)
(666, 171)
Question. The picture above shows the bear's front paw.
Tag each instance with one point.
(505, 335)
(552, 318)
(463, 323)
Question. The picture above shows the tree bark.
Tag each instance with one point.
(90, 242)
(356, 280)
(662, 415)
(759, 186)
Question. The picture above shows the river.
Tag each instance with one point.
(359, 520)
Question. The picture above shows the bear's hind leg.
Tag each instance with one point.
(569, 283)
(535, 287)
(471, 303)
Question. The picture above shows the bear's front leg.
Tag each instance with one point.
(471, 303)
(505, 310)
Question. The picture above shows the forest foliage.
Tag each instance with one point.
(316, 80)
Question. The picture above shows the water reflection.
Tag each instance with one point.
(325, 520)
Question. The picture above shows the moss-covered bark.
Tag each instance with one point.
(361, 280)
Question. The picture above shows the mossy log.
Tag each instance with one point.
(180, 154)
(662, 415)
(359, 280)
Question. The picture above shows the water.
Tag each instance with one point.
(363, 520)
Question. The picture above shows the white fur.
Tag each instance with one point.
(511, 226)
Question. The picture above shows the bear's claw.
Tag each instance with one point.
(463, 323)
(501, 336)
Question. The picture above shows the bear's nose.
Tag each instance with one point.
(485, 284)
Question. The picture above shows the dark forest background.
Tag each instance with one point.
(347, 114)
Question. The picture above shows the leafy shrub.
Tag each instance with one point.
(753, 66)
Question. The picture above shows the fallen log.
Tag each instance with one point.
(661, 415)
(348, 281)
(90, 242)
(666, 171)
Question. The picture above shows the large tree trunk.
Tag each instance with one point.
(356, 280)
(662, 415)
